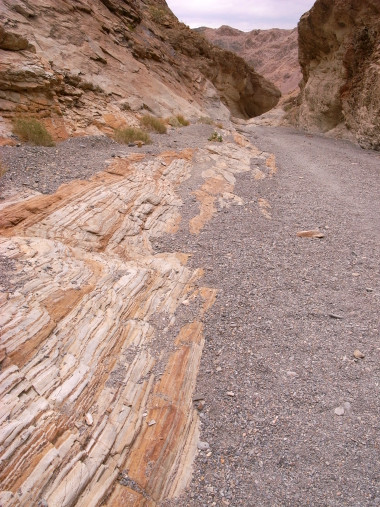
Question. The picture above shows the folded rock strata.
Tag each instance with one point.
(99, 356)
(90, 66)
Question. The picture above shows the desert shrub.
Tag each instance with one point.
(154, 124)
(33, 131)
(130, 135)
(3, 169)
(158, 14)
(216, 137)
(206, 120)
(178, 121)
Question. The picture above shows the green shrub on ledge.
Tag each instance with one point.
(32, 131)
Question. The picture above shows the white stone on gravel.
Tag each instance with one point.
(203, 446)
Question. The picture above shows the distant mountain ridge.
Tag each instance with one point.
(273, 53)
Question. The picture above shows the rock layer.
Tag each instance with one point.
(339, 44)
(101, 337)
(89, 66)
(273, 53)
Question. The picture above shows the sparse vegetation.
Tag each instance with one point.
(178, 121)
(130, 135)
(33, 131)
(217, 138)
(154, 124)
(206, 120)
(158, 14)
(3, 169)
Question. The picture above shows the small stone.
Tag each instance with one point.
(185, 302)
(335, 316)
(369, 289)
(347, 407)
(358, 354)
(89, 419)
(314, 233)
(339, 411)
(230, 393)
(219, 368)
(203, 446)
(201, 405)
(152, 422)
(198, 397)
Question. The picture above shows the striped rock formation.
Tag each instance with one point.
(101, 337)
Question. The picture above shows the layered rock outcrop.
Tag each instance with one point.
(102, 335)
(339, 49)
(89, 66)
(273, 53)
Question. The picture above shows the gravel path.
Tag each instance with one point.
(278, 365)
(43, 170)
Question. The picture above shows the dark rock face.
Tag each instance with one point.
(73, 65)
(339, 51)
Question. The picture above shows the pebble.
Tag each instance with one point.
(152, 422)
(358, 354)
(230, 393)
(203, 446)
(339, 411)
(335, 316)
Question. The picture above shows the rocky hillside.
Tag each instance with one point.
(273, 53)
(340, 59)
(87, 66)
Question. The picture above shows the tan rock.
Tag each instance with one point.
(79, 341)
(88, 68)
(312, 233)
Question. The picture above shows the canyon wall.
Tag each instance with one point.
(273, 53)
(90, 66)
(339, 51)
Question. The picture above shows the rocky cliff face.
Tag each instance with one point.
(339, 44)
(88, 66)
(273, 53)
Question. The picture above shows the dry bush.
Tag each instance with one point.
(154, 124)
(3, 169)
(32, 131)
(130, 134)
(158, 14)
(178, 121)
(182, 120)
(206, 120)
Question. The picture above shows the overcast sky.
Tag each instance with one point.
(244, 14)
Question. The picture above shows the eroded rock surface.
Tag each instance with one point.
(90, 66)
(339, 44)
(101, 337)
(273, 53)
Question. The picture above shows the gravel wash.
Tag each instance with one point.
(291, 416)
